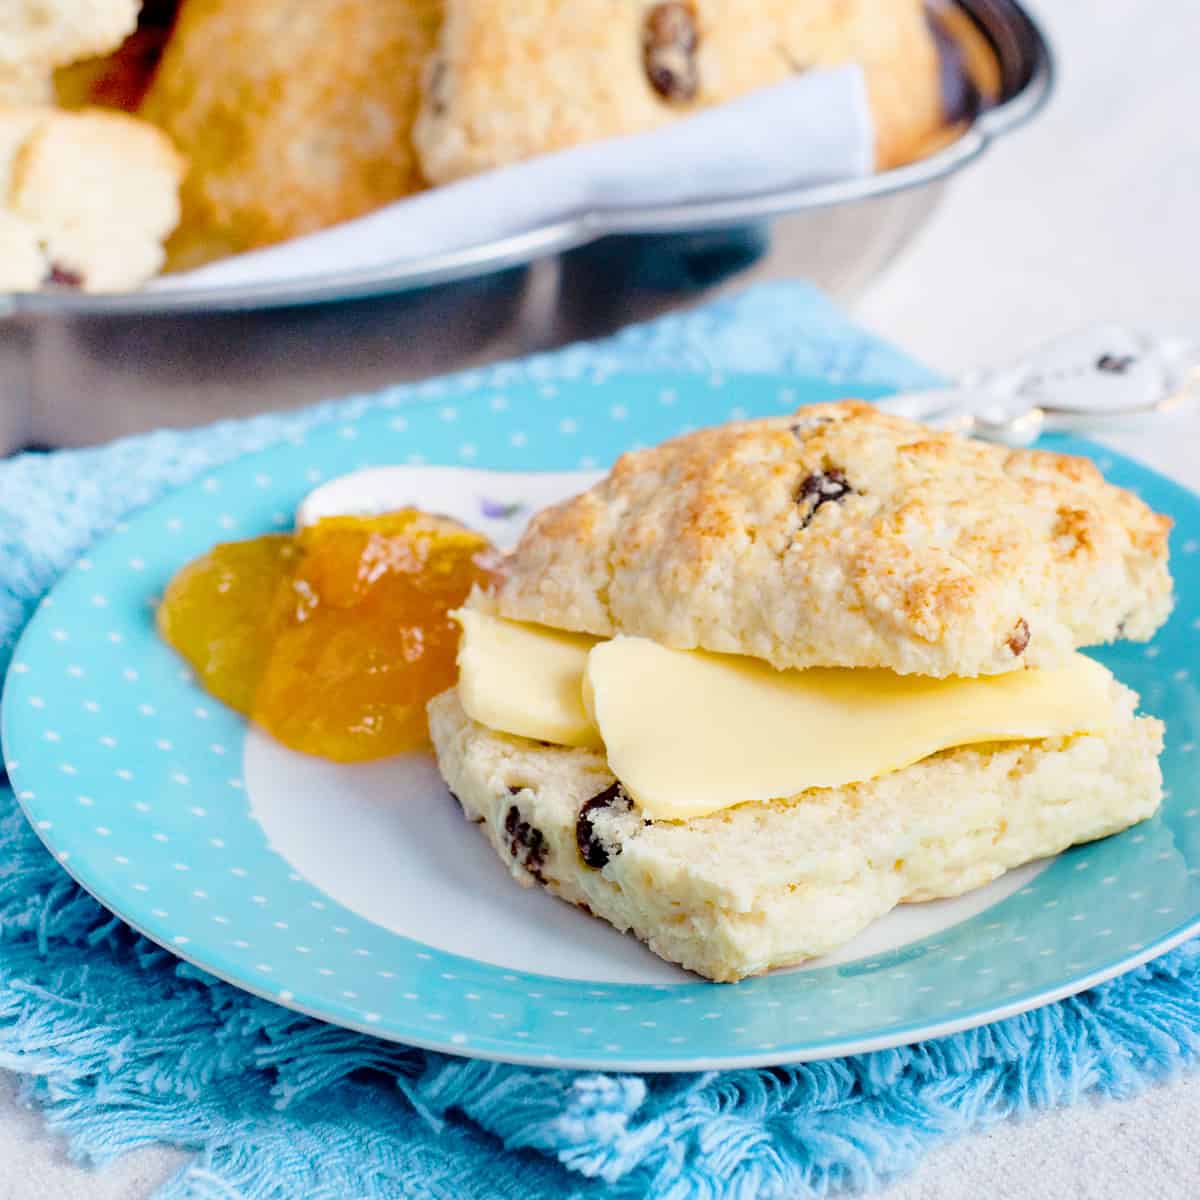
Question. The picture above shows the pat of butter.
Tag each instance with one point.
(524, 679)
(689, 733)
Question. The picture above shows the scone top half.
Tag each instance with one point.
(845, 536)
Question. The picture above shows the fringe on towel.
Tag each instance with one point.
(122, 1046)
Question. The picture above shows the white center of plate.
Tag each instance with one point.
(387, 841)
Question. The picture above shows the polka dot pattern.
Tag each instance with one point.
(133, 778)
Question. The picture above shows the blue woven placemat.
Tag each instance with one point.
(121, 1044)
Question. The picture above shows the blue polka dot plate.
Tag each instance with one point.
(358, 893)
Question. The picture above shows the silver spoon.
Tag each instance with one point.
(1102, 378)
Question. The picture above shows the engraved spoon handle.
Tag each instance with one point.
(1095, 379)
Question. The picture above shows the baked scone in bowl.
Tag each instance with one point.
(293, 117)
(290, 119)
(514, 78)
(768, 680)
(104, 232)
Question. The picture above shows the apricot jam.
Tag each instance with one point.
(334, 639)
(216, 612)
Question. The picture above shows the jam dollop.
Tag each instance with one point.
(332, 639)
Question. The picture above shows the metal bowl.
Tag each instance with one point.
(77, 368)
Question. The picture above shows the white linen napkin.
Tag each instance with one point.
(811, 129)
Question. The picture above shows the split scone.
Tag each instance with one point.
(767, 681)
(86, 199)
(516, 78)
(292, 116)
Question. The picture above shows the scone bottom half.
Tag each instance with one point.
(764, 886)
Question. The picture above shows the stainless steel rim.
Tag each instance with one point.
(1025, 55)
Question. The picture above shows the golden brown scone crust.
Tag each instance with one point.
(294, 116)
(843, 536)
(516, 78)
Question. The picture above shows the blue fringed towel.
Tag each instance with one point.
(123, 1045)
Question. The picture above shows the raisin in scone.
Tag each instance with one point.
(844, 536)
(515, 78)
(293, 116)
(87, 199)
(766, 681)
(765, 885)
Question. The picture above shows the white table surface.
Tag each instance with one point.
(1088, 216)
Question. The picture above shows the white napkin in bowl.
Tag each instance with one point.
(811, 129)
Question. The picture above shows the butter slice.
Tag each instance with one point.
(689, 733)
(524, 679)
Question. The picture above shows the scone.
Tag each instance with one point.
(293, 116)
(756, 802)
(87, 199)
(516, 78)
(844, 536)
